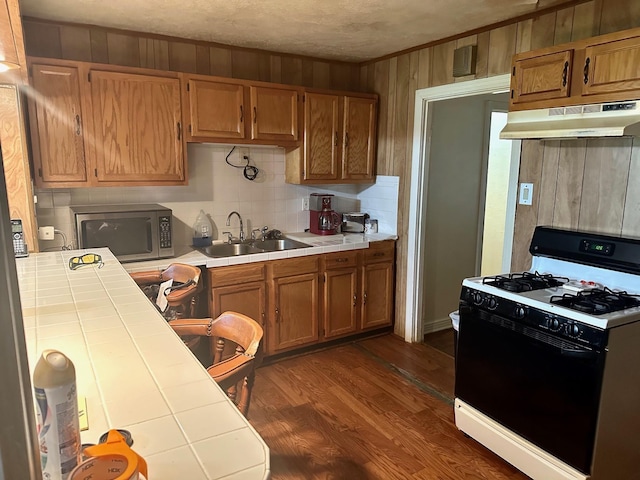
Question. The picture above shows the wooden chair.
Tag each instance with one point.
(183, 296)
(236, 346)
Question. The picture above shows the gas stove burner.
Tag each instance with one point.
(597, 302)
(524, 282)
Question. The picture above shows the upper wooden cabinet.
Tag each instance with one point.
(612, 67)
(542, 78)
(595, 70)
(274, 114)
(215, 109)
(57, 126)
(102, 126)
(137, 127)
(339, 140)
(238, 111)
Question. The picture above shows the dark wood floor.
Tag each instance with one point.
(378, 408)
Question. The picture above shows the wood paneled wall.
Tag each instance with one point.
(102, 45)
(553, 167)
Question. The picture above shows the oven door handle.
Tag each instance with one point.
(578, 353)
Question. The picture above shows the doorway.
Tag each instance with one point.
(418, 243)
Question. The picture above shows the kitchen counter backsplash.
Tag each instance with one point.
(217, 188)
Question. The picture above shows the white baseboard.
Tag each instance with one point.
(436, 325)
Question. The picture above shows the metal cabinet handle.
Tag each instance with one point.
(335, 142)
(255, 115)
(355, 299)
(346, 139)
(586, 70)
(378, 254)
(342, 260)
(364, 298)
(179, 131)
(277, 315)
(78, 125)
(241, 114)
(565, 71)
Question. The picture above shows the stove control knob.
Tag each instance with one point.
(477, 298)
(573, 330)
(520, 312)
(553, 323)
(492, 303)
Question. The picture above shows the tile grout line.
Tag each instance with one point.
(428, 389)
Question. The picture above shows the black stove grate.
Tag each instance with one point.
(524, 282)
(597, 301)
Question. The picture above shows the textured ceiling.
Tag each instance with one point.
(350, 30)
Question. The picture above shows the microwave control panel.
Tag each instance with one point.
(164, 222)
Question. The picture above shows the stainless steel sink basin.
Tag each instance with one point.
(230, 250)
(251, 246)
(279, 244)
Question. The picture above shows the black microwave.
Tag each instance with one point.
(132, 232)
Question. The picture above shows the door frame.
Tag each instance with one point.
(416, 242)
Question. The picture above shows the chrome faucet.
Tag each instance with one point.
(239, 218)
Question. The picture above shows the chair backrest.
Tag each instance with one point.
(232, 368)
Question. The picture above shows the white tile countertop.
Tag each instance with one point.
(318, 244)
(134, 371)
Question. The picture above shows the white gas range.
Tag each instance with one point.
(543, 373)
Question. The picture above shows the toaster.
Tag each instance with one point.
(353, 222)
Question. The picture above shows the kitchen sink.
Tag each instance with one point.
(279, 244)
(251, 246)
(229, 250)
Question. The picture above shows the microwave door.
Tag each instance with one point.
(129, 236)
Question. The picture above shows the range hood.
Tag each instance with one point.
(618, 119)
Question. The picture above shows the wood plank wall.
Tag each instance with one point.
(606, 170)
(102, 45)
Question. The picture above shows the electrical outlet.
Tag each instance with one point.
(45, 233)
(305, 203)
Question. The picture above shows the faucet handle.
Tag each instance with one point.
(253, 233)
(229, 236)
(263, 232)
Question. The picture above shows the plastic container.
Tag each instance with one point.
(455, 323)
(54, 383)
(202, 231)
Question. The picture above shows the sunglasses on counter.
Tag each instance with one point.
(86, 259)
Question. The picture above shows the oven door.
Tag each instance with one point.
(537, 385)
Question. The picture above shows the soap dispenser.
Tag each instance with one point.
(202, 230)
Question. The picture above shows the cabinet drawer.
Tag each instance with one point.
(340, 260)
(380, 252)
(293, 266)
(252, 272)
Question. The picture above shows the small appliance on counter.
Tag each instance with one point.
(354, 222)
(322, 219)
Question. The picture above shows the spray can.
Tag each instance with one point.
(54, 382)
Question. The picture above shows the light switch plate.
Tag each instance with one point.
(526, 194)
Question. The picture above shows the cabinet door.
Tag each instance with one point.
(612, 67)
(358, 138)
(57, 126)
(321, 136)
(246, 298)
(543, 77)
(137, 128)
(274, 114)
(294, 312)
(216, 110)
(377, 295)
(340, 302)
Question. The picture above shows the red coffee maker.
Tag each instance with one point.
(322, 219)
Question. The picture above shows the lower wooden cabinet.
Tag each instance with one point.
(239, 289)
(303, 301)
(339, 294)
(293, 303)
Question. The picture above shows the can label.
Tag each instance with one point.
(58, 430)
